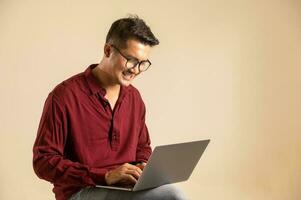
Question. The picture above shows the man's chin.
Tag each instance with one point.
(125, 83)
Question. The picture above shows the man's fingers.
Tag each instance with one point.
(133, 167)
(134, 173)
(141, 165)
(130, 178)
(126, 173)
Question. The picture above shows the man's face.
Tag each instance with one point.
(134, 50)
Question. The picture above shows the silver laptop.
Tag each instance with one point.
(168, 164)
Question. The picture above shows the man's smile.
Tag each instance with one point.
(128, 75)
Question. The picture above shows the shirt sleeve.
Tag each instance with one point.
(49, 162)
(143, 149)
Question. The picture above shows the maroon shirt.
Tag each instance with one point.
(80, 137)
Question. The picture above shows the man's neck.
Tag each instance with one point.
(105, 80)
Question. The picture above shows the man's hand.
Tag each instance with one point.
(125, 174)
(141, 165)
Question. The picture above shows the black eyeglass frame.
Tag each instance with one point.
(137, 61)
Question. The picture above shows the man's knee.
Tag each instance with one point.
(170, 192)
(176, 193)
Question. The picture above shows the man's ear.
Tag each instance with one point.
(107, 50)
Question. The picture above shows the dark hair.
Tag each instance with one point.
(131, 27)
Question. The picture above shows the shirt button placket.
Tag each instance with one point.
(115, 139)
(116, 131)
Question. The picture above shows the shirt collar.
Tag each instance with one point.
(95, 87)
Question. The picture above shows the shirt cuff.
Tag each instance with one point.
(98, 175)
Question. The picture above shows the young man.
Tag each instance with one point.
(92, 130)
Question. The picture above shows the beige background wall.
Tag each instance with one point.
(225, 70)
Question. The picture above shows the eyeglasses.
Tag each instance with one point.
(131, 63)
